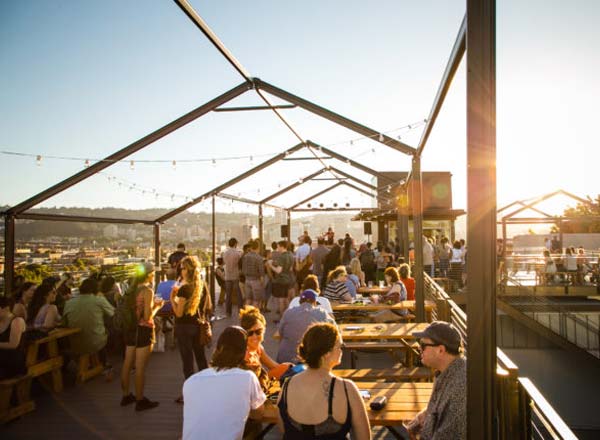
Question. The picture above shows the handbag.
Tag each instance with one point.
(204, 327)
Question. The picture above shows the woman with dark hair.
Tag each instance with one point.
(190, 302)
(110, 290)
(42, 313)
(139, 336)
(331, 261)
(306, 397)
(23, 298)
(12, 355)
(219, 400)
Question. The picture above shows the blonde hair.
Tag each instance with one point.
(192, 267)
(249, 316)
(355, 267)
(333, 274)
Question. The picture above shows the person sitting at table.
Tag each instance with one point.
(295, 322)
(42, 313)
(257, 359)
(12, 354)
(219, 399)
(446, 413)
(87, 312)
(407, 280)
(336, 289)
(23, 298)
(312, 282)
(393, 296)
(307, 397)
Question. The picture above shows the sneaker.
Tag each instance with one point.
(128, 400)
(144, 404)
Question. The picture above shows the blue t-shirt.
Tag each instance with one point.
(352, 283)
(164, 291)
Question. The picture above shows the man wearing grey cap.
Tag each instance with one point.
(446, 414)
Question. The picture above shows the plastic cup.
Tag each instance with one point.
(370, 284)
(382, 284)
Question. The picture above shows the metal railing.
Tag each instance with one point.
(523, 413)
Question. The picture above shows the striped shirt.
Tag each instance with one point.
(337, 291)
(253, 265)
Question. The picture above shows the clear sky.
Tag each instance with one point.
(83, 79)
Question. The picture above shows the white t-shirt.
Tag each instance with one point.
(321, 302)
(217, 403)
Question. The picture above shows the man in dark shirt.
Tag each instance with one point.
(176, 257)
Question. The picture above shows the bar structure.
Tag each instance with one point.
(481, 218)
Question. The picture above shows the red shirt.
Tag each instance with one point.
(409, 283)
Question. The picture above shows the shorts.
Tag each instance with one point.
(280, 290)
(142, 337)
(254, 290)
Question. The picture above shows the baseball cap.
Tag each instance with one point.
(309, 295)
(147, 267)
(443, 333)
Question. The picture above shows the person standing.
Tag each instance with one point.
(190, 303)
(139, 336)
(231, 257)
(283, 279)
(427, 256)
(253, 270)
(175, 258)
(446, 413)
(318, 258)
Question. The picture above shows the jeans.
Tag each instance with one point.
(189, 347)
(230, 286)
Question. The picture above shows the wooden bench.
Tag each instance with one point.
(89, 366)
(415, 374)
(52, 364)
(393, 347)
(15, 399)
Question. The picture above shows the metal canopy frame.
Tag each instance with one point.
(477, 32)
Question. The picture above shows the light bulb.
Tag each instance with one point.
(38, 160)
(174, 163)
(380, 137)
(86, 163)
(131, 165)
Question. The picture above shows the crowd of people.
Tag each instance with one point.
(312, 403)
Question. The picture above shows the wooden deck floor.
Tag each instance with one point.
(92, 410)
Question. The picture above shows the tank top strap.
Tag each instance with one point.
(283, 400)
(330, 398)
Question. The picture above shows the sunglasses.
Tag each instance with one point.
(256, 332)
(424, 344)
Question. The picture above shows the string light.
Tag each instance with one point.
(380, 137)
(38, 160)
(86, 163)
(174, 164)
(131, 165)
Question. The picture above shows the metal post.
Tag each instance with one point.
(260, 226)
(289, 225)
(9, 254)
(214, 250)
(560, 235)
(481, 218)
(417, 209)
(158, 272)
(403, 210)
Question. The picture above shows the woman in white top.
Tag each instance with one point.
(218, 400)
(42, 313)
(456, 264)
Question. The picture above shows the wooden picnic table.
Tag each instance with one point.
(53, 361)
(365, 290)
(369, 306)
(404, 401)
(373, 331)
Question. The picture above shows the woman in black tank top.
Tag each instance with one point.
(309, 394)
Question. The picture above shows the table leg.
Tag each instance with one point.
(403, 435)
(57, 382)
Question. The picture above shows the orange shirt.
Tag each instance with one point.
(409, 283)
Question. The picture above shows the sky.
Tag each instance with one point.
(83, 79)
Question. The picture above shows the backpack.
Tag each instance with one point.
(124, 317)
(367, 259)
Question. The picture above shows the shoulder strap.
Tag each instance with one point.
(330, 400)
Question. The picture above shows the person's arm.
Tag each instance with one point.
(361, 428)
(257, 413)
(257, 399)
(52, 317)
(17, 328)
(19, 310)
(179, 306)
(414, 426)
(266, 360)
(345, 295)
(276, 269)
(107, 308)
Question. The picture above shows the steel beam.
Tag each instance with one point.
(82, 219)
(481, 218)
(9, 254)
(158, 272)
(260, 226)
(213, 257)
(289, 224)
(212, 37)
(252, 108)
(293, 185)
(130, 149)
(334, 117)
(325, 209)
(230, 182)
(453, 62)
(357, 188)
(351, 177)
(308, 199)
(417, 208)
(350, 162)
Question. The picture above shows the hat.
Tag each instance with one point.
(148, 267)
(309, 295)
(443, 333)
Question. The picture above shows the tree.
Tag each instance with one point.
(585, 217)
